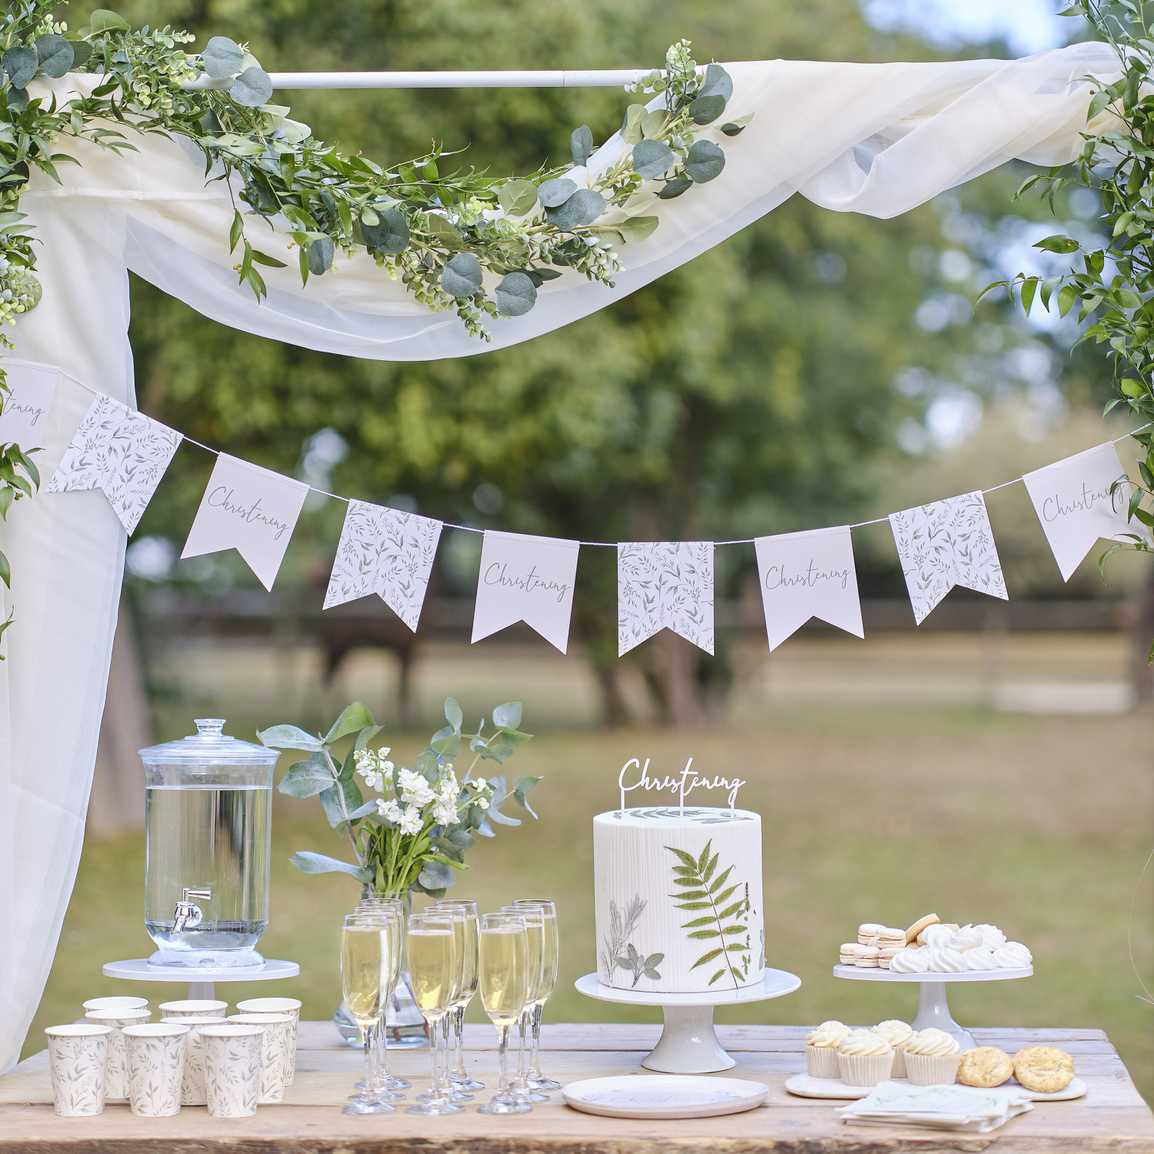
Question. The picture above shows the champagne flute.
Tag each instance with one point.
(535, 962)
(432, 966)
(503, 972)
(550, 965)
(389, 917)
(456, 917)
(467, 990)
(364, 969)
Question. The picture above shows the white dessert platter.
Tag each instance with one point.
(201, 980)
(688, 1042)
(806, 1086)
(933, 1002)
(664, 1096)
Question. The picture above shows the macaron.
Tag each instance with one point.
(848, 952)
(919, 925)
(891, 937)
(867, 933)
(886, 955)
(867, 957)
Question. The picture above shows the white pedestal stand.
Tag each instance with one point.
(201, 980)
(933, 1004)
(688, 1043)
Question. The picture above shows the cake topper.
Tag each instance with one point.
(682, 784)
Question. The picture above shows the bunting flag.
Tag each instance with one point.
(664, 585)
(945, 544)
(32, 389)
(386, 552)
(249, 509)
(804, 575)
(528, 579)
(1077, 503)
(121, 452)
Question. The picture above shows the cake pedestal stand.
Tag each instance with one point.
(933, 1003)
(688, 1043)
(201, 979)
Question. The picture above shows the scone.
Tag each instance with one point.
(922, 922)
(987, 1066)
(1043, 1069)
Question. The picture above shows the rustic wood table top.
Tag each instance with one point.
(1112, 1117)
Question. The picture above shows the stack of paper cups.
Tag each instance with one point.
(276, 1052)
(232, 1064)
(76, 1057)
(155, 1067)
(193, 1008)
(290, 1006)
(192, 1092)
(116, 1069)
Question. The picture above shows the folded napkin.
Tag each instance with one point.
(940, 1107)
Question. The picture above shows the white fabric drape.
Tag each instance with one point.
(876, 139)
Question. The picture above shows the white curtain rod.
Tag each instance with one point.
(595, 78)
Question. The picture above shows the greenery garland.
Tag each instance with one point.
(446, 236)
(1111, 279)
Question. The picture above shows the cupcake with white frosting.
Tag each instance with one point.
(864, 1058)
(896, 1033)
(821, 1050)
(932, 1057)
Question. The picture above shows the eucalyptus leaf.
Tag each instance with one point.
(515, 294)
(55, 54)
(637, 228)
(289, 737)
(554, 193)
(631, 130)
(653, 122)
(517, 197)
(706, 109)
(306, 778)
(582, 208)
(581, 144)
(20, 64)
(717, 82)
(675, 187)
(222, 58)
(252, 87)
(652, 158)
(105, 20)
(736, 126)
(390, 234)
(453, 714)
(435, 875)
(318, 863)
(353, 718)
(321, 251)
(461, 276)
(508, 715)
(704, 161)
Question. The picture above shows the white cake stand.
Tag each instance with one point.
(201, 979)
(933, 1004)
(688, 1042)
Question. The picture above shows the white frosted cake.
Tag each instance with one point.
(678, 899)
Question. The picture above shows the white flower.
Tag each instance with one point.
(482, 803)
(445, 813)
(449, 788)
(478, 783)
(411, 820)
(363, 759)
(415, 790)
(371, 778)
(389, 810)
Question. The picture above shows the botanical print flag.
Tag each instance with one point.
(32, 390)
(120, 451)
(528, 579)
(804, 575)
(664, 585)
(387, 552)
(249, 509)
(945, 544)
(1077, 502)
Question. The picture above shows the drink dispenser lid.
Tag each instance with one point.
(209, 745)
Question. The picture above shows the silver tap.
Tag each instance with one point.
(188, 915)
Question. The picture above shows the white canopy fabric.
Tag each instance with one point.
(875, 139)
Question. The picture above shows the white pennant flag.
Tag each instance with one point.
(664, 585)
(945, 544)
(1076, 507)
(804, 575)
(121, 452)
(528, 579)
(386, 552)
(32, 390)
(249, 509)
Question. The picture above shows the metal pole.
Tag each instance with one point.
(595, 78)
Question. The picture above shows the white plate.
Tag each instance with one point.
(870, 974)
(804, 1086)
(773, 984)
(664, 1096)
(1076, 1089)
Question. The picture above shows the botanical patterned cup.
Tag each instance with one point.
(192, 1092)
(76, 1056)
(290, 1006)
(276, 1054)
(193, 1008)
(155, 1067)
(116, 1067)
(117, 1003)
(232, 1062)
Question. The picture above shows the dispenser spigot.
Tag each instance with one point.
(188, 915)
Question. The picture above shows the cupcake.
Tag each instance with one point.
(897, 1034)
(864, 1058)
(932, 1058)
(821, 1050)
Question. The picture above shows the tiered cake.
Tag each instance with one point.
(678, 899)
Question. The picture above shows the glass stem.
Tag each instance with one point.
(367, 1043)
(521, 1048)
(435, 1053)
(383, 1047)
(503, 1059)
(459, 1027)
(535, 1053)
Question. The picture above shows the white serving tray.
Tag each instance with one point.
(664, 1096)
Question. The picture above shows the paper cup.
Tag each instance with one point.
(116, 1064)
(821, 1062)
(116, 1004)
(192, 1091)
(276, 1053)
(865, 1069)
(193, 1008)
(933, 1070)
(76, 1057)
(155, 1067)
(232, 1065)
(290, 1006)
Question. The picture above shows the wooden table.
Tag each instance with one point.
(1112, 1117)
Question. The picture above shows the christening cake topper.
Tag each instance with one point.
(635, 775)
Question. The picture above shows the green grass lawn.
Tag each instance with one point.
(1040, 825)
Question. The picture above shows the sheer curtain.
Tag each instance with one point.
(876, 139)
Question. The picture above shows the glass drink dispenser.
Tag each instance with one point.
(208, 810)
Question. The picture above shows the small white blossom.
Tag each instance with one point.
(389, 810)
(482, 803)
(445, 813)
(371, 778)
(363, 758)
(415, 790)
(411, 820)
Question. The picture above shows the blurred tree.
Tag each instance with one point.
(739, 395)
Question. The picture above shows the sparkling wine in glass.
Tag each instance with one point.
(503, 979)
(433, 970)
(549, 968)
(465, 925)
(364, 973)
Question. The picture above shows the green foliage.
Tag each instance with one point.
(417, 825)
